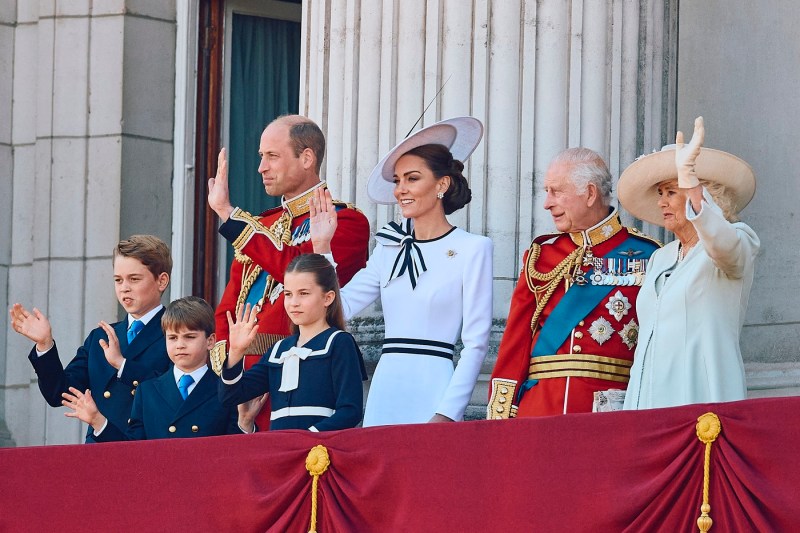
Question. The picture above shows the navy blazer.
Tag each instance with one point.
(145, 358)
(159, 412)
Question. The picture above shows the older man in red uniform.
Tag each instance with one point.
(572, 328)
(292, 148)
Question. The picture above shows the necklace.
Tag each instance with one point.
(684, 249)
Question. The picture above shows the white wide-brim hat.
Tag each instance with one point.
(460, 135)
(638, 185)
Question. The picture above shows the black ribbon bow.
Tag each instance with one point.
(409, 258)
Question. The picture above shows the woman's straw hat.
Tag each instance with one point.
(638, 184)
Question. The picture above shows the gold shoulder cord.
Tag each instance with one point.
(249, 275)
(550, 280)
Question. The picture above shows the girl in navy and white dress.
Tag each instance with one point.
(434, 279)
(314, 376)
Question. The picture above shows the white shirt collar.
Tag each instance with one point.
(147, 317)
(197, 375)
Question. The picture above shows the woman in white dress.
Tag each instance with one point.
(694, 298)
(434, 279)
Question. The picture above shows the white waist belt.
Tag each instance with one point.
(301, 411)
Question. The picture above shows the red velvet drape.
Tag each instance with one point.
(629, 471)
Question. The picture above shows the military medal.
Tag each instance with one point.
(601, 330)
(275, 293)
(618, 305)
(630, 334)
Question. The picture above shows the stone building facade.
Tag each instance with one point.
(101, 119)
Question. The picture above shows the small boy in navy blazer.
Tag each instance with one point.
(115, 358)
(183, 402)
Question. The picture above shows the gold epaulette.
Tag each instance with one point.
(501, 402)
(637, 233)
(217, 356)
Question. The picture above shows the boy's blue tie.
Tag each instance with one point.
(183, 385)
(136, 327)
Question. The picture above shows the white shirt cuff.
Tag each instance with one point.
(119, 372)
(252, 430)
(97, 433)
(329, 257)
(39, 354)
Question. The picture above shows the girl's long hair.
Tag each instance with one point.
(325, 277)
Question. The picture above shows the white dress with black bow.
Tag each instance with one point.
(431, 292)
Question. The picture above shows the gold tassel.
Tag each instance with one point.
(708, 428)
(317, 463)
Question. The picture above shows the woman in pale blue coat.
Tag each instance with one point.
(694, 298)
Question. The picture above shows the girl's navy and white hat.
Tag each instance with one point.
(461, 135)
(637, 188)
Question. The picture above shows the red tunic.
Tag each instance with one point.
(598, 351)
(264, 247)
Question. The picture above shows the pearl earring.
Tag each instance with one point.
(439, 195)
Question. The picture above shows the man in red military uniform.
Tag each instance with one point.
(572, 328)
(292, 148)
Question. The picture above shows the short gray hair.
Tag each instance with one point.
(587, 166)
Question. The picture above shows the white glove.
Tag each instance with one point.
(686, 155)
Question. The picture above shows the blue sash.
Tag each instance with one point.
(257, 289)
(576, 303)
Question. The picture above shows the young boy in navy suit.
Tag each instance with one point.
(183, 402)
(115, 358)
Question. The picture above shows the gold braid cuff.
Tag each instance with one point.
(259, 346)
(544, 284)
(279, 233)
(501, 402)
(580, 365)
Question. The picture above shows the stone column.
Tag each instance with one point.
(542, 76)
(87, 146)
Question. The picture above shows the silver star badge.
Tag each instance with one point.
(601, 330)
(618, 305)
